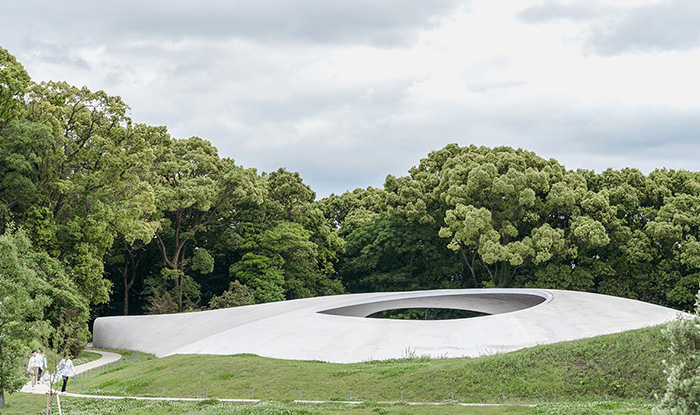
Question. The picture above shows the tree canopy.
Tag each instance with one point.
(120, 217)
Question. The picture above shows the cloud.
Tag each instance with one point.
(388, 23)
(489, 86)
(358, 146)
(668, 26)
(53, 53)
(601, 136)
(636, 28)
(549, 11)
(344, 94)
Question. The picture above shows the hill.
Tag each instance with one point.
(626, 365)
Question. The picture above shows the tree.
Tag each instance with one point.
(299, 233)
(262, 274)
(14, 81)
(72, 168)
(195, 190)
(505, 209)
(682, 396)
(21, 309)
(127, 262)
(290, 246)
(284, 247)
(387, 254)
(391, 236)
(237, 295)
(350, 210)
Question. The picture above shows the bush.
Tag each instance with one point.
(682, 395)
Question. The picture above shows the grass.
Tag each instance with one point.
(620, 366)
(576, 377)
(23, 404)
(85, 357)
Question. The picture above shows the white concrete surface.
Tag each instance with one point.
(334, 328)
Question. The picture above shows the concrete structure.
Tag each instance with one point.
(334, 328)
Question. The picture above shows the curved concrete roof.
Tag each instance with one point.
(334, 328)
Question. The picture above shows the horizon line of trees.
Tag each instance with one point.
(122, 218)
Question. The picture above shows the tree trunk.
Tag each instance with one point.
(179, 300)
(174, 263)
(470, 266)
(130, 266)
(126, 293)
(180, 261)
(493, 280)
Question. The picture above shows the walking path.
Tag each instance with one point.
(109, 357)
(43, 387)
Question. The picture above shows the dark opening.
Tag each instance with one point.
(426, 314)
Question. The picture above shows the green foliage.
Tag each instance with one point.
(426, 314)
(14, 81)
(297, 235)
(161, 303)
(72, 172)
(262, 275)
(593, 408)
(682, 395)
(514, 219)
(236, 295)
(22, 306)
(128, 219)
(202, 261)
(385, 254)
(194, 191)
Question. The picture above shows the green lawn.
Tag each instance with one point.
(85, 357)
(24, 404)
(607, 375)
(620, 366)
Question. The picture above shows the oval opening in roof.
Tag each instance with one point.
(426, 314)
(475, 305)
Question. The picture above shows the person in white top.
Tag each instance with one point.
(44, 366)
(66, 369)
(33, 367)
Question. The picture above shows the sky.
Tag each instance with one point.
(346, 92)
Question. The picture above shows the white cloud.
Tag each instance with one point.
(346, 93)
(387, 23)
(626, 27)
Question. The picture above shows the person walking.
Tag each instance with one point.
(33, 368)
(44, 366)
(66, 369)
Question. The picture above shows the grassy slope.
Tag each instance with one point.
(23, 403)
(626, 365)
(85, 357)
(33, 405)
(19, 403)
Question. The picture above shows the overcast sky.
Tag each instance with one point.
(346, 92)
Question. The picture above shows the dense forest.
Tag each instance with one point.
(101, 215)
